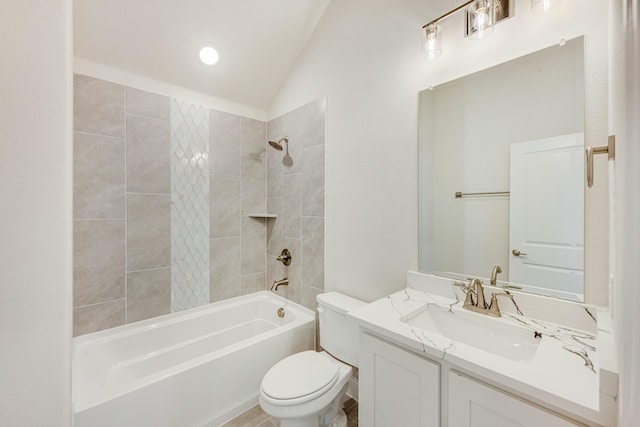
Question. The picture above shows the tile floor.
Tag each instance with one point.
(255, 417)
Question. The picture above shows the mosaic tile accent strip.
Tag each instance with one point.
(189, 206)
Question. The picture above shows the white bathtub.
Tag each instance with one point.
(195, 368)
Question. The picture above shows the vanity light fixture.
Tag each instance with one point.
(481, 16)
(432, 44)
(543, 5)
(208, 55)
(480, 19)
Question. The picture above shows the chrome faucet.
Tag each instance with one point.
(479, 305)
(494, 275)
(278, 283)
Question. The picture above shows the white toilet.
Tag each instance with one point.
(306, 389)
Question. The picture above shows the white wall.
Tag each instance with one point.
(625, 112)
(35, 213)
(365, 56)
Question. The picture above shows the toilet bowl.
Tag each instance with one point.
(306, 389)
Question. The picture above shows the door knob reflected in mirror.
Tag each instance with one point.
(516, 252)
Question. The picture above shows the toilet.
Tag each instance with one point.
(306, 388)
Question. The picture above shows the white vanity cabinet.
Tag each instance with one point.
(396, 386)
(474, 404)
(401, 388)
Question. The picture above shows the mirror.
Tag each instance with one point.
(502, 173)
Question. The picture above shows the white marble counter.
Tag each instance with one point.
(564, 374)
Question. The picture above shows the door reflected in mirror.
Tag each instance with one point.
(502, 173)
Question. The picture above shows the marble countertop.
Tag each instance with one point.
(563, 374)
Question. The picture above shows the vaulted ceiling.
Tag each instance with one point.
(259, 41)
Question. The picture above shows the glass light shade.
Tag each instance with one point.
(480, 18)
(432, 44)
(543, 5)
(208, 55)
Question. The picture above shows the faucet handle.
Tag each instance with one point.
(494, 309)
(285, 257)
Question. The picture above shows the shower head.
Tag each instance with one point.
(278, 144)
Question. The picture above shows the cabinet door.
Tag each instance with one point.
(396, 387)
(473, 404)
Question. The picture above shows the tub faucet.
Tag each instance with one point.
(494, 274)
(278, 283)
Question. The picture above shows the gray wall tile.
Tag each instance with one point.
(98, 106)
(253, 166)
(291, 205)
(253, 187)
(313, 122)
(148, 104)
(294, 270)
(224, 142)
(148, 294)
(97, 317)
(274, 158)
(98, 176)
(253, 242)
(313, 252)
(313, 181)
(275, 128)
(148, 155)
(98, 261)
(148, 231)
(276, 271)
(224, 268)
(309, 295)
(224, 207)
(294, 128)
(252, 283)
(274, 226)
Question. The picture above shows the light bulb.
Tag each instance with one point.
(432, 47)
(208, 55)
(480, 19)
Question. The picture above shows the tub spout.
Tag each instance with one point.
(278, 283)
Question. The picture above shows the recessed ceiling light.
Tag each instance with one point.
(208, 55)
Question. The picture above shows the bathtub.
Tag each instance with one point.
(195, 368)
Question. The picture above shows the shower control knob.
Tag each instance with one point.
(285, 257)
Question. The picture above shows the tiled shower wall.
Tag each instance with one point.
(237, 189)
(149, 171)
(295, 192)
(122, 205)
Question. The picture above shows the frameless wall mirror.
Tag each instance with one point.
(502, 173)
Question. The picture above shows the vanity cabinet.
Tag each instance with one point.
(399, 387)
(474, 404)
(396, 387)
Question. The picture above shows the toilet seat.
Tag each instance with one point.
(299, 378)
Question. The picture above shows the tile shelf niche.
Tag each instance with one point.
(262, 215)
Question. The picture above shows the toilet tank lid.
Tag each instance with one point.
(339, 302)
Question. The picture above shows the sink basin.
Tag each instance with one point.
(511, 342)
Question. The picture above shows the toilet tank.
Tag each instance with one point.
(338, 332)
